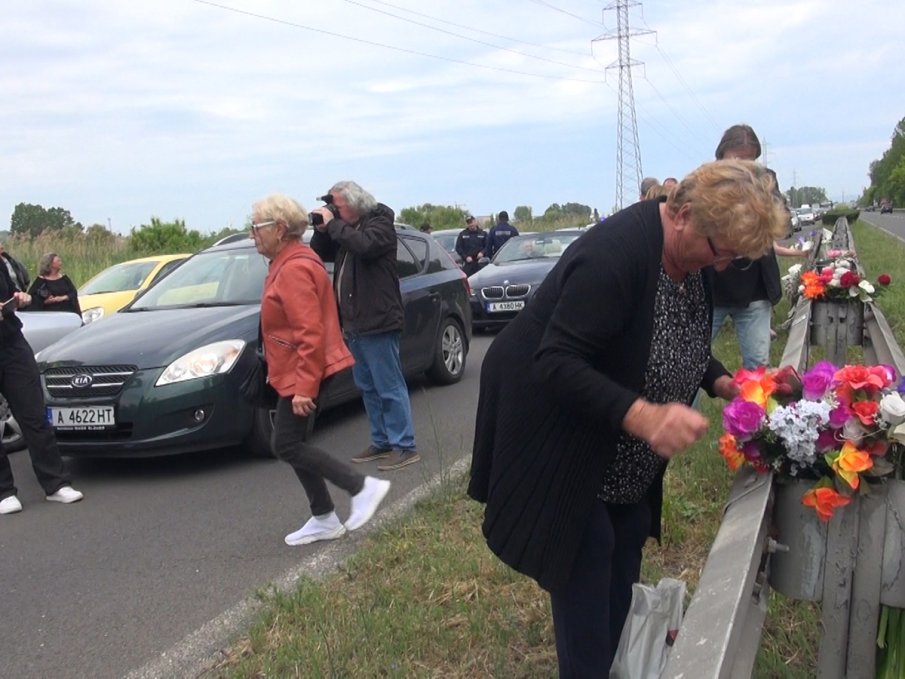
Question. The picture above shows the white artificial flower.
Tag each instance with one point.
(853, 430)
(898, 433)
(892, 408)
(867, 286)
(794, 270)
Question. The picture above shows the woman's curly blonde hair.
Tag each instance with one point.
(737, 201)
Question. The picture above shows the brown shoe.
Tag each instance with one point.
(372, 453)
(399, 459)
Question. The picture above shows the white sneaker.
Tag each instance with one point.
(366, 502)
(66, 494)
(324, 527)
(10, 505)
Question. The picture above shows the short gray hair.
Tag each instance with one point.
(647, 184)
(44, 263)
(356, 197)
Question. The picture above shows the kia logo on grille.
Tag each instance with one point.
(81, 380)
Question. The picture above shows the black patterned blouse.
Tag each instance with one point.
(679, 355)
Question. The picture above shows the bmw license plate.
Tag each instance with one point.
(505, 306)
(87, 417)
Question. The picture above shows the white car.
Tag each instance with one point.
(41, 329)
(806, 216)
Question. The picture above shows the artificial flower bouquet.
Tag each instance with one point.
(837, 278)
(836, 426)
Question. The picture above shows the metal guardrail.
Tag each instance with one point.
(722, 628)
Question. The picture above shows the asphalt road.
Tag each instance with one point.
(159, 548)
(893, 223)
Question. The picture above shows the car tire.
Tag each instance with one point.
(449, 354)
(10, 430)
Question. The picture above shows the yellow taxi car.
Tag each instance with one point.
(116, 286)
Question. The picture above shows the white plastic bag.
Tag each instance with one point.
(650, 630)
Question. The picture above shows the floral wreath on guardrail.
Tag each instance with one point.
(834, 278)
(833, 425)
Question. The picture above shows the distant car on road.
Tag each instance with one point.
(886, 206)
(116, 286)
(806, 216)
(501, 289)
(162, 376)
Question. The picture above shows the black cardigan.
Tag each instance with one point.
(555, 387)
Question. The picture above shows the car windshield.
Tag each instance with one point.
(537, 246)
(446, 240)
(213, 278)
(125, 276)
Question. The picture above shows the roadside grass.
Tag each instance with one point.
(424, 597)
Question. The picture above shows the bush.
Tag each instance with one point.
(829, 218)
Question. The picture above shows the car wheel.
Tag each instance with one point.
(10, 431)
(449, 354)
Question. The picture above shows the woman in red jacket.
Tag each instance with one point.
(303, 346)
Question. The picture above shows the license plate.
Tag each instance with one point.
(88, 417)
(505, 306)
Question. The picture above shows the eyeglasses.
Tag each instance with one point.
(262, 224)
(737, 262)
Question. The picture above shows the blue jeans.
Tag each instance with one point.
(378, 373)
(752, 327)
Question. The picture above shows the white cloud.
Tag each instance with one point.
(183, 109)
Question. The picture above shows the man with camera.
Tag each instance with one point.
(357, 234)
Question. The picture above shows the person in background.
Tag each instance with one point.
(361, 240)
(499, 233)
(426, 227)
(20, 382)
(470, 245)
(646, 184)
(52, 290)
(585, 395)
(17, 272)
(670, 182)
(303, 347)
(747, 291)
(655, 191)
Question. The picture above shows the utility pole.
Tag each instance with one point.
(627, 144)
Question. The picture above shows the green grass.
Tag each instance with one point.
(425, 598)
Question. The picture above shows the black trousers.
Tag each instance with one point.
(20, 383)
(311, 464)
(590, 610)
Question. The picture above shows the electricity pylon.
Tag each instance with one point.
(628, 171)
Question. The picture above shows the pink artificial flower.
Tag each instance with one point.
(817, 381)
(743, 418)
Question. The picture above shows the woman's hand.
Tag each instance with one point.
(725, 387)
(302, 406)
(668, 428)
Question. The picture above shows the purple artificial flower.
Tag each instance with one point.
(901, 386)
(840, 415)
(818, 380)
(826, 440)
(743, 418)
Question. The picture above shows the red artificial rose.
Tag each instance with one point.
(884, 279)
(849, 279)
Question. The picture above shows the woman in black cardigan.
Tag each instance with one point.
(52, 289)
(584, 397)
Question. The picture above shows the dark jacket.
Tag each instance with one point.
(364, 271)
(470, 243)
(10, 325)
(497, 236)
(21, 272)
(555, 386)
(735, 288)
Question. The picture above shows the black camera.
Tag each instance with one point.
(316, 218)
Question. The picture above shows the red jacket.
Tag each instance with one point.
(303, 342)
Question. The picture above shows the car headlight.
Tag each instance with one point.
(213, 359)
(95, 313)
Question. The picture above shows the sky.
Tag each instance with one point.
(193, 110)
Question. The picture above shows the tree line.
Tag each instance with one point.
(887, 175)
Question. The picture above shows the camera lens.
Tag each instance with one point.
(315, 218)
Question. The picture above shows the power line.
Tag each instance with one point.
(470, 39)
(479, 30)
(394, 48)
(567, 13)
